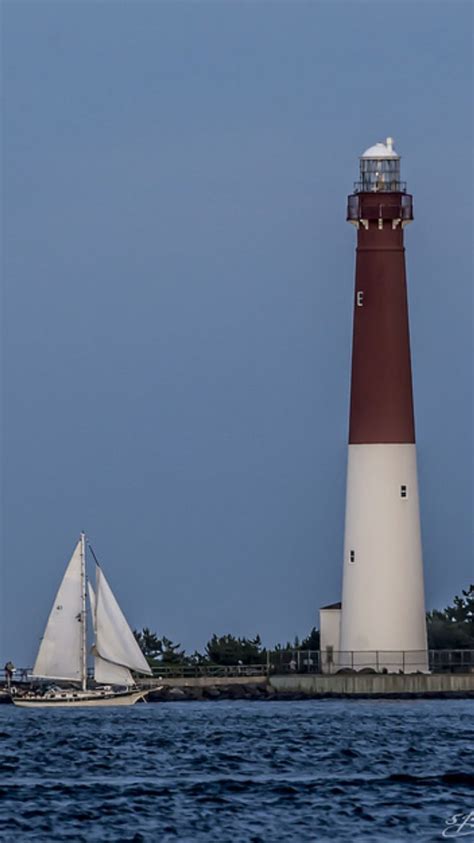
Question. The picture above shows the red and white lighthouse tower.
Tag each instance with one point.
(383, 594)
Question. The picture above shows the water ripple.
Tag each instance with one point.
(237, 771)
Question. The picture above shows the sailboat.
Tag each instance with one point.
(62, 655)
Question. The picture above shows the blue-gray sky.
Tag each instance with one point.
(178, 280)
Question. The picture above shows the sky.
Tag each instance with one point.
(177, 299)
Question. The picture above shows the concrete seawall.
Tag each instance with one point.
(316, 686)
(203, 681)
(384, 685)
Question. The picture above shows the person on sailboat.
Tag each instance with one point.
(9, 671)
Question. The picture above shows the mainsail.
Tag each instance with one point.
(115, 647)
(60, 652)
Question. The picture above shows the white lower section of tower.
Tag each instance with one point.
(383, 607)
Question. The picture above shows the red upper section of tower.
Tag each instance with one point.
(381, 387)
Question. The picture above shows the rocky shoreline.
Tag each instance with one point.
(169, 693)
(263, 691)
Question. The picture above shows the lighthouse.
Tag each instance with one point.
(382, 619)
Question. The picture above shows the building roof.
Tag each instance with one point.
(331, 606)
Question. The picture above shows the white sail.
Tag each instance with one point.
(105, 672)
(92, 602)
(115, 641)
(59, 655)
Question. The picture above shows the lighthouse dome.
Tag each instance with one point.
(381, 150)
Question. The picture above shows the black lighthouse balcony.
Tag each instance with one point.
(373, 206)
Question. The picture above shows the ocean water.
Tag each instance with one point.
(238, 771)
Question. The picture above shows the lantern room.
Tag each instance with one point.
(380, 170)
(380, 195)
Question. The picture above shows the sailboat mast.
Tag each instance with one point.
(83, 614)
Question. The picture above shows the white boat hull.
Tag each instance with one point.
(91, 700)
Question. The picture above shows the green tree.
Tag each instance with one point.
(228, 650)
(462, 610)
(311, 642)
(453, 628)
(148, 642)
(159, 650)
(171, 653)
(197, 658)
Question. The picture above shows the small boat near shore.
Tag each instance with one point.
(62, 655)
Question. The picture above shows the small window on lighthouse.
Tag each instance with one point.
(360, 298)
(403, 491)
(352, 556)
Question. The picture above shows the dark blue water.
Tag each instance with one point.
(237, 771)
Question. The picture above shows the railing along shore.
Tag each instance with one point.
(314, 661)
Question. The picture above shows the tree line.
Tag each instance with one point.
(451, 628)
